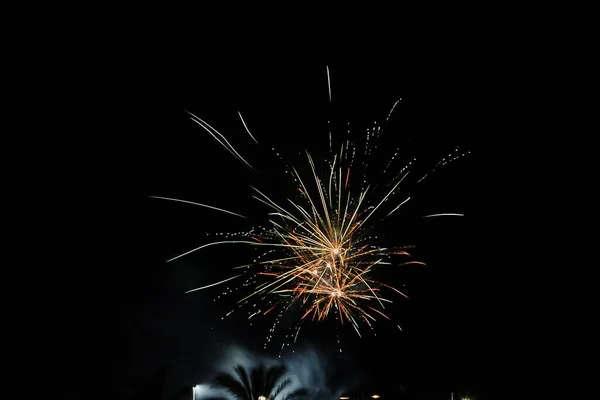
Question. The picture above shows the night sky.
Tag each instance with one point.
(482, 317)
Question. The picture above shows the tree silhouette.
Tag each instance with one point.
(260, 384)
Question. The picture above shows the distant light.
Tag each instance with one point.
(262, 398)
(344, 398)
(375, 396)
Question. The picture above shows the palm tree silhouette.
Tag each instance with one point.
(260, 384)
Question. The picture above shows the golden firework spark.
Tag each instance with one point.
(327, 267)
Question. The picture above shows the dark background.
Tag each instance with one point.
(492, 314)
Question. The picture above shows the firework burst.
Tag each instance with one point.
(319, 254)
(328, 260)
